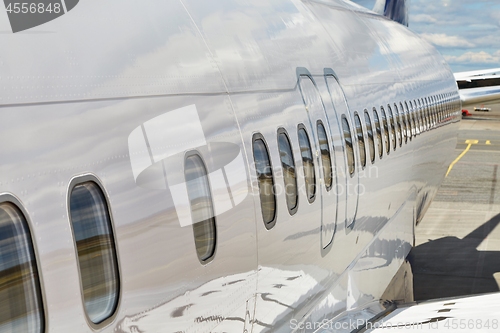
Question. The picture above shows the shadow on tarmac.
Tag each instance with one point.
(451, 266)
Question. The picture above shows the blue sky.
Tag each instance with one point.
(466, 32)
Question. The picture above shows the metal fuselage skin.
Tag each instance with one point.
(74, 90)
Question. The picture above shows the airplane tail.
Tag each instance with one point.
(396, 10)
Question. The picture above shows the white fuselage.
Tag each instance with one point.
(122, 91)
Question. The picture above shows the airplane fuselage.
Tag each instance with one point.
(163, 109)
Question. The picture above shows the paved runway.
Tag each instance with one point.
(458, 242)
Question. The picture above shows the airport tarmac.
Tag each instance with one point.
(457, 248)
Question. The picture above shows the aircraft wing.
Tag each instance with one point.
(465, 314)
(479, 87)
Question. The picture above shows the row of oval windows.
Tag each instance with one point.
(21, 306)
(398, 127)
(403, 124)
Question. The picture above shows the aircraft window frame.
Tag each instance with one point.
(455, 109)
(452, 107)
(369, 133)
(309, 172)
(203, 220)
(421, 115)
(385, 124)
(442, 108)
(86, 194)
(397, 116)
(349, 145)
(453, 103)
(264, 171)
(432, 105)
(378, 129)
(393, 128)
(358, 125)
(292, 209)
(431, 111)
(415, 116)
(446, 105)
(427, 114)
(326, 158)
(409, 128)
(438, 109)
(404, 122)
(424, 115)
(413, 119)
(435, 110)
(19, 270)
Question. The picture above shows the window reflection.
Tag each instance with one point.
(266, 180)
(414, 119)
(288, 166)
(403, 114)
(397, 117)
(393, 128)
(348, 144)
(308, 163)
(20, 296)
(202, 211)
(409, 120)
(420, 116)
(325, 156)
(96, 251)
(379, 133)
(361, 140)
(369, 131)
(386, 131)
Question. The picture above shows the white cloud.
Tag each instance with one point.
(495, 15)
(423, 18)
(446, 3)
(475, 58)
(483, 27)
(446, 41)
